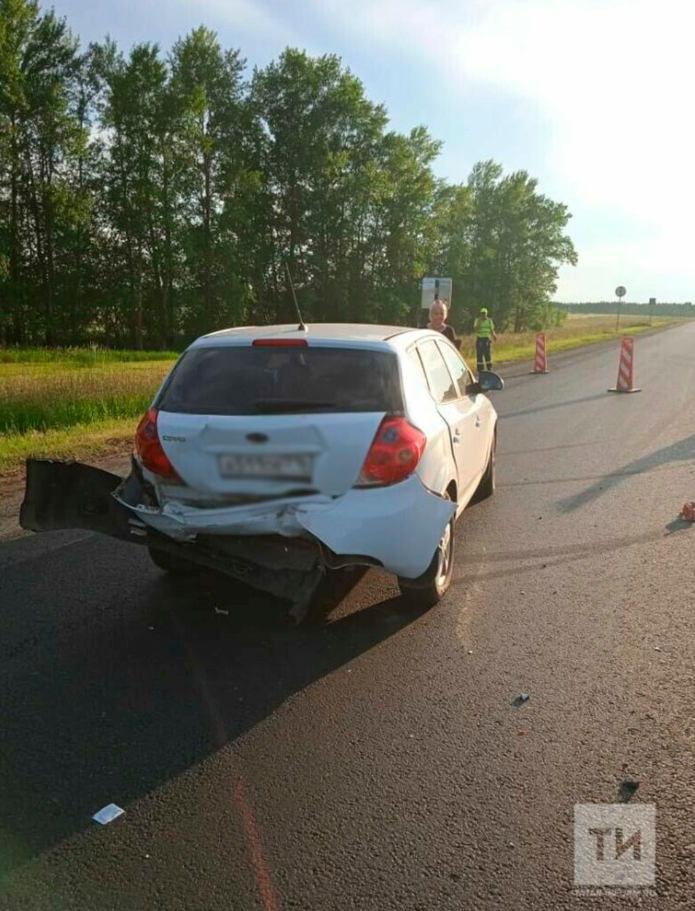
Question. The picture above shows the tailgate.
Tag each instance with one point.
(276, 455)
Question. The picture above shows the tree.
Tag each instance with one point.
(405, 220)
(503, 242)
(215, 141)
(145, 199)
(40, 134)
(320, 137)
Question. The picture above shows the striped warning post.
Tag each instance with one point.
(626, 368)
(540, 364)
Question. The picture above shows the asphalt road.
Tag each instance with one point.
(372, 758)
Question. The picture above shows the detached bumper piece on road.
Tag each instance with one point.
(61, 495)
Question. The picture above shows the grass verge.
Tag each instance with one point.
(51, 396)
(81, 357)
(576, 333)
(95, 440)
(73, 403)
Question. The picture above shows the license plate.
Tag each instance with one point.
(296, 467)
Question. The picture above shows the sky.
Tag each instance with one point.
(592, 97)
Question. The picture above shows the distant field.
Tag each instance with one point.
(83, 403)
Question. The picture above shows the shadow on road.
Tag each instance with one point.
(552, 557)
(681, 451)
(140, 689)
(539, 408)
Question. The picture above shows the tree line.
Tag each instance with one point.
(146, 198)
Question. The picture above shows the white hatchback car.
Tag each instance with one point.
(276, 453)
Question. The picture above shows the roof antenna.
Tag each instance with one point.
(302, 325)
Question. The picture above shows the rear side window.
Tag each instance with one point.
(236, 380)
(456, 366)
(442, 386)
(414, 359)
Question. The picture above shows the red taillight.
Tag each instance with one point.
(279, 343)
(394, 454)
(150, 449)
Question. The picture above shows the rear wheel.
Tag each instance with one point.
(177, 566)
(429, 588)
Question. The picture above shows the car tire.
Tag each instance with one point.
(486, 488)
(429, 588)
(177, 566)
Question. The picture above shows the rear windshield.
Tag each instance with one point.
(265, 380)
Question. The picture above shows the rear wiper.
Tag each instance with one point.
(275, 406)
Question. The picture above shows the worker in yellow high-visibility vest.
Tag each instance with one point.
(484, 329)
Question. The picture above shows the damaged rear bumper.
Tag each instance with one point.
(396, 527)
(61, 494)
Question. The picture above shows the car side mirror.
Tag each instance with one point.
(487, 382)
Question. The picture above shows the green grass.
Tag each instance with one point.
(81, 441)
(73, 402)
(80, 357)
(42, 397)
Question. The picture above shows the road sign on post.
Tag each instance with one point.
(434, 288)
(620, 292)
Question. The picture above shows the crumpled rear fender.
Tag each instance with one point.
(400, 526)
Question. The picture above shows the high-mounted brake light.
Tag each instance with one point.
(279, 343)
(150, 449)
(394, 453)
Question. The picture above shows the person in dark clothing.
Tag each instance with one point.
(438, 314)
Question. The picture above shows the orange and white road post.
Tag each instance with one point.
(626, 367)
(540, 363)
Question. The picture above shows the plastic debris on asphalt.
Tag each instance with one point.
(107, 814)
(521, 699)
(219, 610)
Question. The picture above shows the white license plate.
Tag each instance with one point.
(290, 466)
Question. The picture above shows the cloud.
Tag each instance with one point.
(614, 80)
(610, 80)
